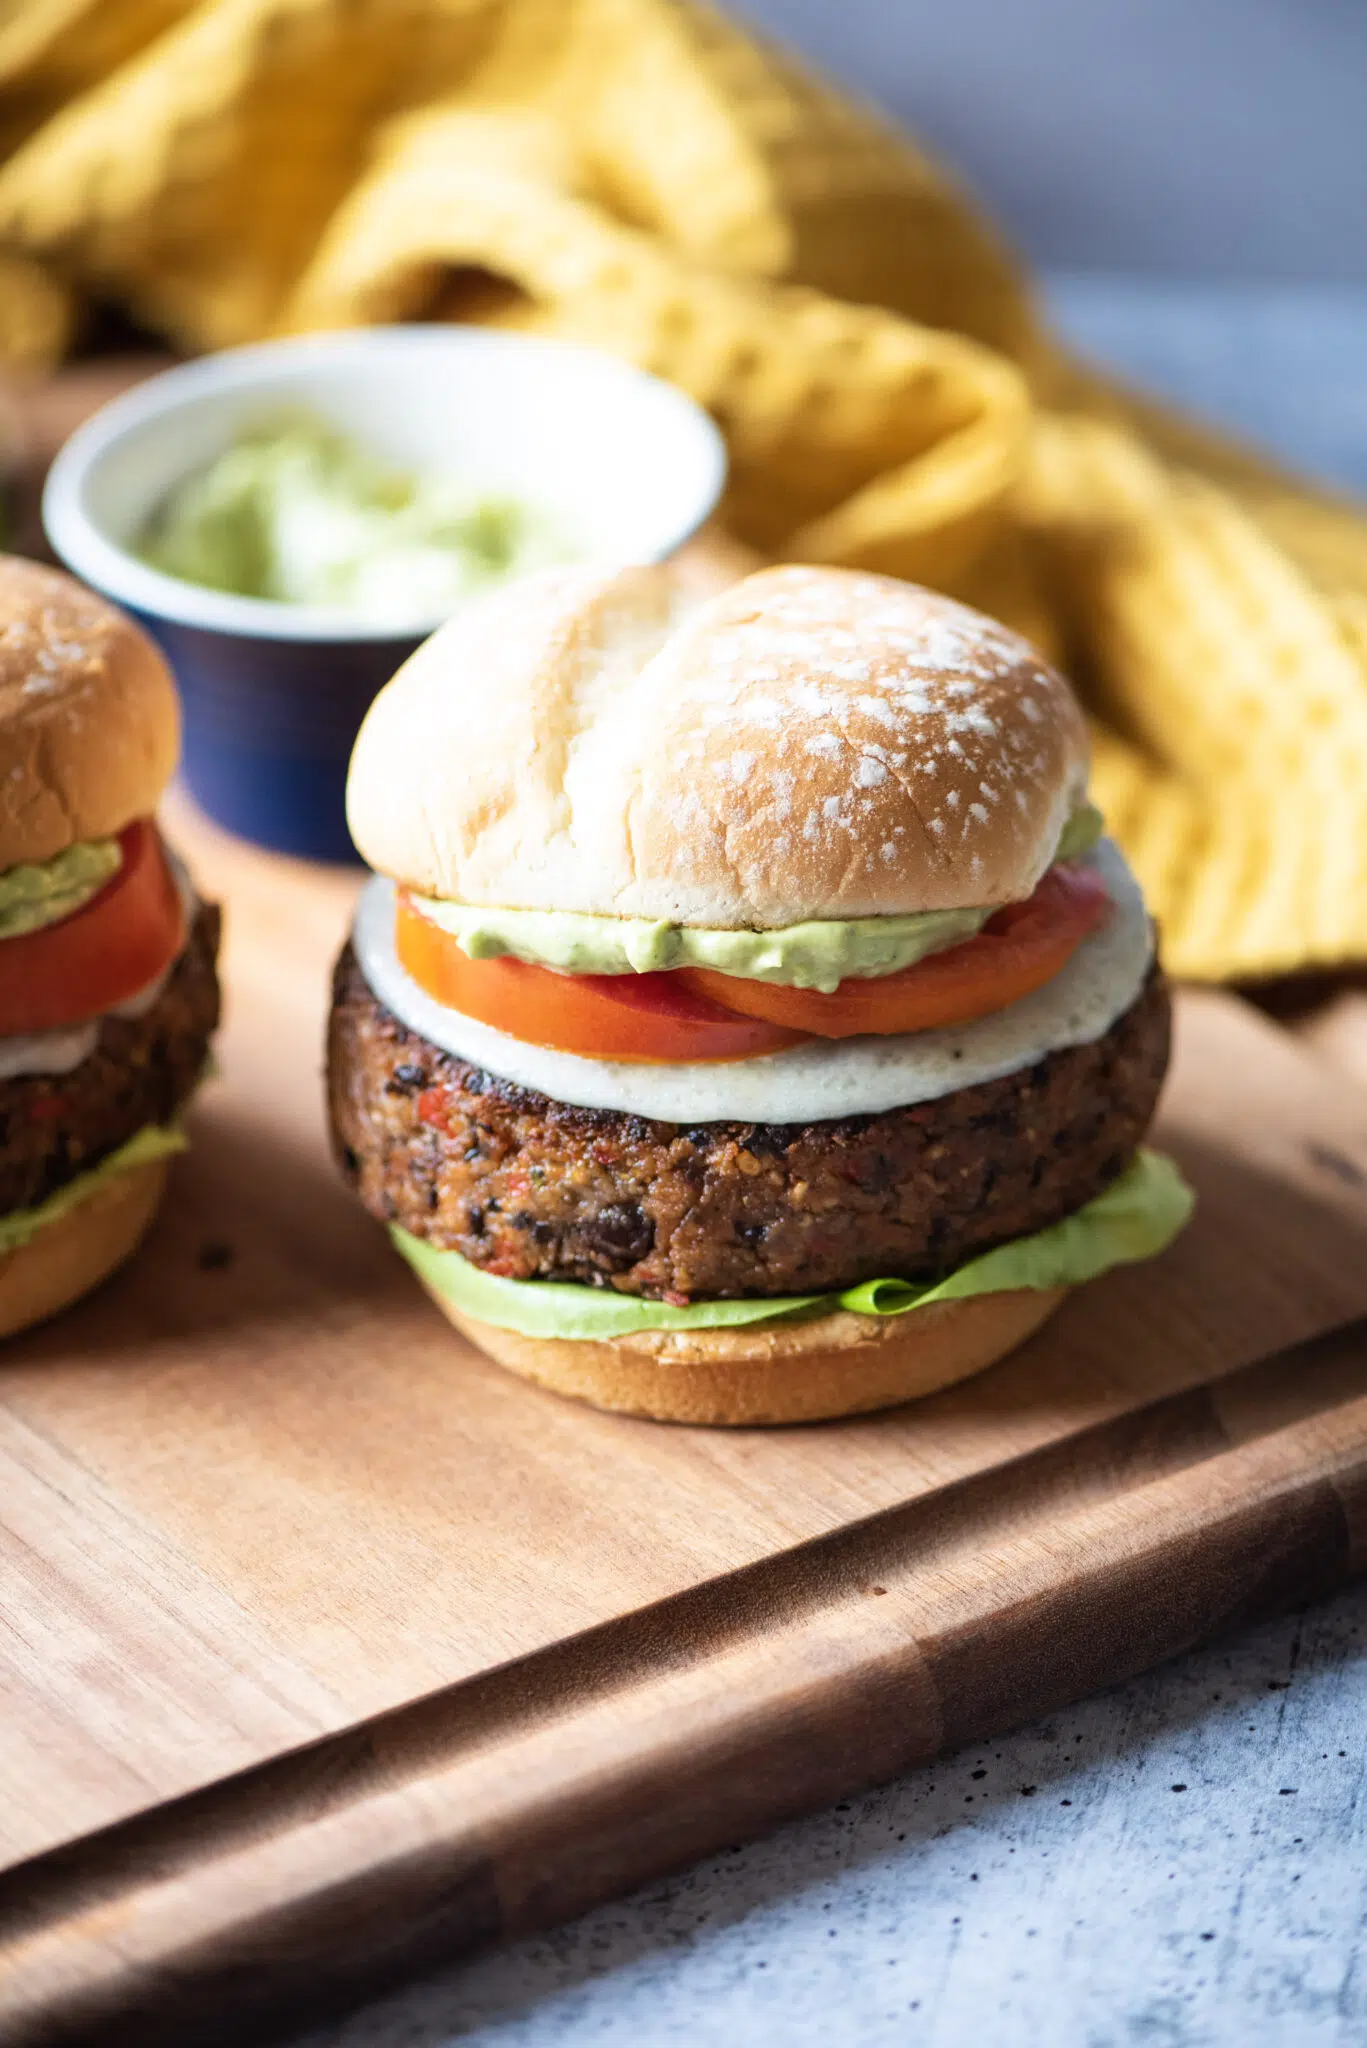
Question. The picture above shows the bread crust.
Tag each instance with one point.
(89, 718)
(813, 1371)
(807, 744)
(80, 1249)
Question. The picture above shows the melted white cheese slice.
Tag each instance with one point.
(826, 1078)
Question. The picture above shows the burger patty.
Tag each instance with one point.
(530, 1188)
(54, 1126)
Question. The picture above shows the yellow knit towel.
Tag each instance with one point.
(642, 175)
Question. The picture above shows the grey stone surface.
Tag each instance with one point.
(1178, 1864)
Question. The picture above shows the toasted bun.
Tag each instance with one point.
(89, 720)
(841, 1364)
(70, 1256)
(809, 743)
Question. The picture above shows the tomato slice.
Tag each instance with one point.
(1021, 946)
(603, 1016)
(698, 1014)
(106, 951)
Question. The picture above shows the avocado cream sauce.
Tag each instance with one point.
(819, 954)
(43, 892)
(295, 512)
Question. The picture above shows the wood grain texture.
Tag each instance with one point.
(326, 1646)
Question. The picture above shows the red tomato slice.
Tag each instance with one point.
(1019, 948)
(603, 1016)
(104, 952)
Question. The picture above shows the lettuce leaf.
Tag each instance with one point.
(1135, 1217)
(154, 1141)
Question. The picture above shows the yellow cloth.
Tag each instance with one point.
(643, 175)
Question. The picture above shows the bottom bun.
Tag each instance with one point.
(841, 1364)
(75, 1252)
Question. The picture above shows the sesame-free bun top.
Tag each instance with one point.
(808, 743)
(89, 720)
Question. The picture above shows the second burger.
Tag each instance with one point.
(108, 981)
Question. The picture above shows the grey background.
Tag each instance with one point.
(1212, 138)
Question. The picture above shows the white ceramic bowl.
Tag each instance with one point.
(625, 463)
(273, 693)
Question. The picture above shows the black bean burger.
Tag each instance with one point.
(108, 991)
(748, 1021)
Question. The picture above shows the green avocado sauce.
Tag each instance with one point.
(39, 893)
(818, 955)
(296, 512)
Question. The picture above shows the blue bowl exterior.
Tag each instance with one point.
(269, 726)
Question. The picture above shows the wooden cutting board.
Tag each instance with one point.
(326, 1648)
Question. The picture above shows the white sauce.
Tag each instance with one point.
(63, 1050)
(47, 1052)
(831, 1078)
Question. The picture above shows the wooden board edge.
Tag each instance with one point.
(515, 1800)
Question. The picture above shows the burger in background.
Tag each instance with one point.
(748, 1022)
(108, 988)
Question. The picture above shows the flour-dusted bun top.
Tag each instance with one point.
(89, 718)
(809, 743)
